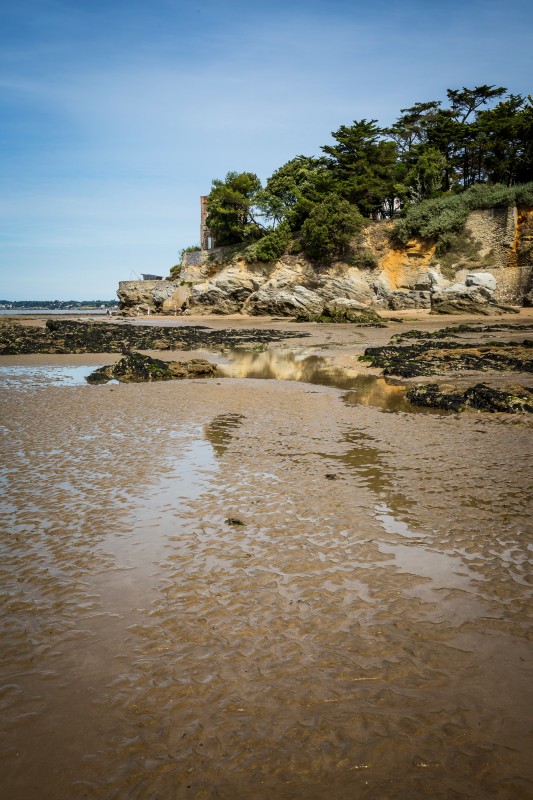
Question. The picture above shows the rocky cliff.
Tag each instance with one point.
(491, 263)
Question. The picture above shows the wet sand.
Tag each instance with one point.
(365, 633)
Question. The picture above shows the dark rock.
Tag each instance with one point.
(455, 331)
(434, 358)
(136, 368)
(68, 336)
(510, 399)
(233, 521)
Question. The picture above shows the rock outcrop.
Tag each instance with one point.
(475, 296)
(491, 274)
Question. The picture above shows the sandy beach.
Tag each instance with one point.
(238, 588)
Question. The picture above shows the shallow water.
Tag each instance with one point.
(293, 365)
(44, 375)
(364, 635)
(287, 365)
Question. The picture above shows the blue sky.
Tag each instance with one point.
(115, 116)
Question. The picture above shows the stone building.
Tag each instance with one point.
(207, 241)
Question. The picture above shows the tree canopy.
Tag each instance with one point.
(479, 135)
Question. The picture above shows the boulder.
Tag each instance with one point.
(225, 293)
(289, 301)
(136, 368)
(462, 299)
(414, 299)
(483, 279)
(340, 304)
(350, 287)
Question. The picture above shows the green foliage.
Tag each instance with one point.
(271, 246)
(330, 228)
(231, 212)
(292, 190)
(443, 218)
(194, 248)
(365, 166)
(438, 162)
(363, 259)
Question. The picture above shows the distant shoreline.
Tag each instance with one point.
(15, 312)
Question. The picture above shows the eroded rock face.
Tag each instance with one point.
(145, 297)
(414, 299)
(138, 368)
(510, 399)
(291, 301)
(349, 287)
(225, 293)
(473, 299)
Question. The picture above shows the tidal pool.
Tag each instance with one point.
(292, 365)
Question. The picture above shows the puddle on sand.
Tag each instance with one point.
(219, 432)
(31, 376)
(289, 365)
(280, 365)
(441, 578)
(365, 461)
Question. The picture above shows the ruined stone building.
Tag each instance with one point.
(207, 241)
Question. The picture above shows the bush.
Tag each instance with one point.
(363, 259)
(441, 219)
(271, 246)
(330, 228)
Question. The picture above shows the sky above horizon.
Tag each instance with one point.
(116, 116)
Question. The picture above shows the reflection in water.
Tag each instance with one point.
(288, 365)
(366, 462)
(220, 431)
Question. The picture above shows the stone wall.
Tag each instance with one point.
(499, 233)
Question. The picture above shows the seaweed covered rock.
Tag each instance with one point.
(434, 358)
(137, 368)
(69, 336)
(341, 310)
(510, 399)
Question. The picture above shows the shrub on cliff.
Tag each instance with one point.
(443, 218)
(271, 246)
(330, 228)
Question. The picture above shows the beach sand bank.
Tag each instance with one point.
(362, 629)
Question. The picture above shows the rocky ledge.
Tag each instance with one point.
(137, 368)
(67, 336)
(510, 399)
